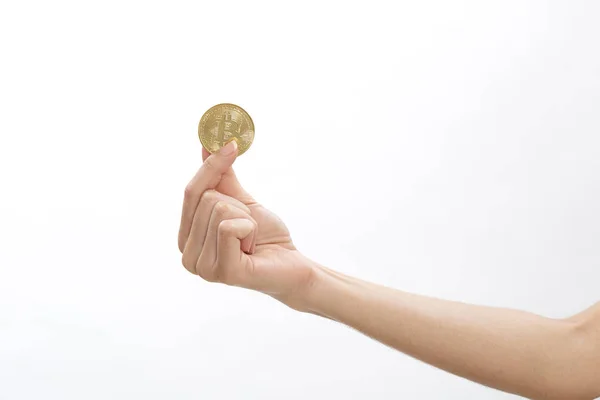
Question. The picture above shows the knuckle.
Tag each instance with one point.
(209, 164)
(221, 209)
(225, 229)
(208, 196)
(190, 191)
(208, 273)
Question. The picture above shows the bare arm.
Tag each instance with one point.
(226, 236)
(510, 350)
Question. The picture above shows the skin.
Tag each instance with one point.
(226, 236)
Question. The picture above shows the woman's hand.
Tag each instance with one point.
(226, 236)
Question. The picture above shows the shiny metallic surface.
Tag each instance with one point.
(225, 122)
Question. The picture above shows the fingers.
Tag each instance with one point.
(201, 244)
(231, 234)
(208, 177)
(208, 201)
(208, 257)
(222, 259)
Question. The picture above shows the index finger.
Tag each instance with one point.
(208, 177)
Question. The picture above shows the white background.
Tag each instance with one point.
(444, 148)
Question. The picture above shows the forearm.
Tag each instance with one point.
(509, 350)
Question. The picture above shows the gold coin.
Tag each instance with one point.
(223, 123)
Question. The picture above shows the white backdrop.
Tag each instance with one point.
(444, 148)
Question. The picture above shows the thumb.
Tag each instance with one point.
(228, 183)
(217, 164)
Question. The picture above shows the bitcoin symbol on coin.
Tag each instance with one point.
(223, 123)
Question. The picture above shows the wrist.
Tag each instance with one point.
(326, 290)
(305, 296)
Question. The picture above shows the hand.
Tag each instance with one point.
(226, 236)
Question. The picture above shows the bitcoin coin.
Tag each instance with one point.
(223, 123)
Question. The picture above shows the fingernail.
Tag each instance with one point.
(229, 148)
